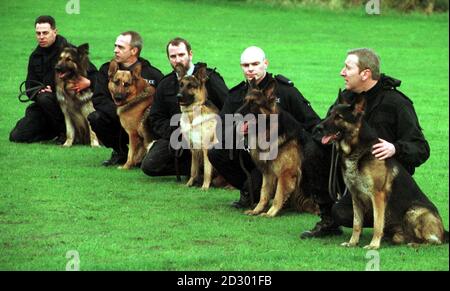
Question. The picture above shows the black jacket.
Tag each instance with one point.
(102, 99)
(166, 104)
(393, 117)
(289, 99)
(42, 61)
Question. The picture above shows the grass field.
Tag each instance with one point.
(53, 200)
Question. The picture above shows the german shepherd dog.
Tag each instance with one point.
(198, 122)
(283, 173)
(133, 97)
(400, 208)
(76, 106)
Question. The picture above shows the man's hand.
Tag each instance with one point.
(383, 149)
(46, 89)
(81, 84)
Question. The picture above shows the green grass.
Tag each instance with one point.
(54, 199)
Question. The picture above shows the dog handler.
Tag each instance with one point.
(393, 117)
(104, 120)
(43, 118)
(254, 66)
(160, 159)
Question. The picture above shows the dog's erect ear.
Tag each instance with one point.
(180, 70)
(113, 67)
(136, 73)
(201, 74)
(269, 91)
(83, 49)
(359, 104)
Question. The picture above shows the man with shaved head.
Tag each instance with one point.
(254, 65)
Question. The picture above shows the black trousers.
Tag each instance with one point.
(160, 160)
(43, 120)
(341, 211)
(109, 130)
(230, 168)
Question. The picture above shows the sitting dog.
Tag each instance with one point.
(133, 97)
(399, 207)
(282, 172)
(198, 122)
(76, 106)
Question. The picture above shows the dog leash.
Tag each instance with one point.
(178, 154)
(249, 177)
(23, 92)
(334, 188)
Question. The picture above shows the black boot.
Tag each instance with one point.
(115, 159)
(325, 227)
(244, 201)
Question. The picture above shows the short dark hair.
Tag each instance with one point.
(176, 42)
(367, 59)
(136, 40)
(46, 19)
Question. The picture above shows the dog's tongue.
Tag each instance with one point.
(326, 139)
(61, 75)
(244, 127)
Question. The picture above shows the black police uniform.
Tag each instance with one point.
(43, 118)
(391, 114)
(104, 120)
(160, 160)
(290, 100)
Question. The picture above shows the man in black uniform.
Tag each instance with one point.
(254, 65)
(393, 117)
(160, 159)
(43, 118)
(104, 120)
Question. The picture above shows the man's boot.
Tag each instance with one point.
(115, 159)
(325, 227)
(244, 201)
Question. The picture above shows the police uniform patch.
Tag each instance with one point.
(284, 80)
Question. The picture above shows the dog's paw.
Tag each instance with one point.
(266, 214)
(348, 244)
(205, 187)
(191, 182)
(372, 247)
(67, 144)
(251, 212)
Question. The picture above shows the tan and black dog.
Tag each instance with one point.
(198, 122)
(282, 173)
(400, 209)
(133, 97)
(76, 106)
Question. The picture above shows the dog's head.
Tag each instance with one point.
(192, 88)
(344, 121)
(72, 62)
(258, 101)
(124, 85)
